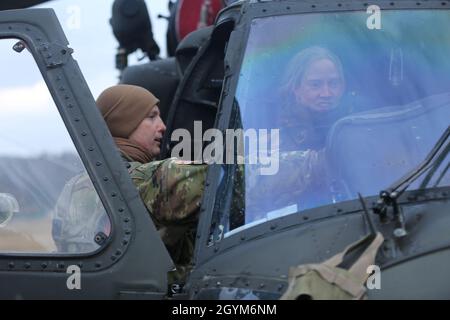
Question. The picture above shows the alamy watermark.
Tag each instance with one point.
(374, 20)
(261, 147)
(374, 279)
(73, 21)
(74, 280)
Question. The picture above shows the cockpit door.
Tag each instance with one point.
(72, 225)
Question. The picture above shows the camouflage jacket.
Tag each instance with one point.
(171, 190)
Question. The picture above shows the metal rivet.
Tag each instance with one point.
(261, 285)
(128, 231)
(61, 89)
(98, 264)
(273, 227)
(218, 283)
(91, 148)
(105, 179)
(11, 265)
(242, 238)
(27, 265)
(65, 97)
(126, 220)
(124, 242)
(113, 194)
(305, 218)
(113, 258)
(77, 119)
(98, 163)
(70, 105)
(280, 287)
(118, 253)
(99, 238)
(43, 265)
(84, 134)
(121, 209)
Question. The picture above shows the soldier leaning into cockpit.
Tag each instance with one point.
(171, 189)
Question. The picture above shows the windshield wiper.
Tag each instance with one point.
(436, 164)
(388, 198)
(442, 175)
(440, 150)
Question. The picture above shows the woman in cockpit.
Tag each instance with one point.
(311, 95)
(314, 84)
(313, 88)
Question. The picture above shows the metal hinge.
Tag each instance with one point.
(54, 54)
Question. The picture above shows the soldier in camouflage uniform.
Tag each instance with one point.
(171, 189)
(312, 101)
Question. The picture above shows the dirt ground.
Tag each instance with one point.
(27, 236)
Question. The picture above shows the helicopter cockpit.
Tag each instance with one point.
(353, 104)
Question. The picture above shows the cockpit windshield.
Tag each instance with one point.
(332, 104)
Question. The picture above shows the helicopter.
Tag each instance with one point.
(383, 169)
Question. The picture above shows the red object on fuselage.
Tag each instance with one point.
(194, 14)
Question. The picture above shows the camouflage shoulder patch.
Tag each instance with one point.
(183, 162)
(179, 161)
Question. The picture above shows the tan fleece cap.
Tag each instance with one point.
(124, 107)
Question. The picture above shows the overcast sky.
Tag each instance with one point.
(31, 124)
(86, 25)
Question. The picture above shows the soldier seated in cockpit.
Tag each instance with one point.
(312, 92)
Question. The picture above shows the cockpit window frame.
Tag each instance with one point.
(44, 37)
(205, 249)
